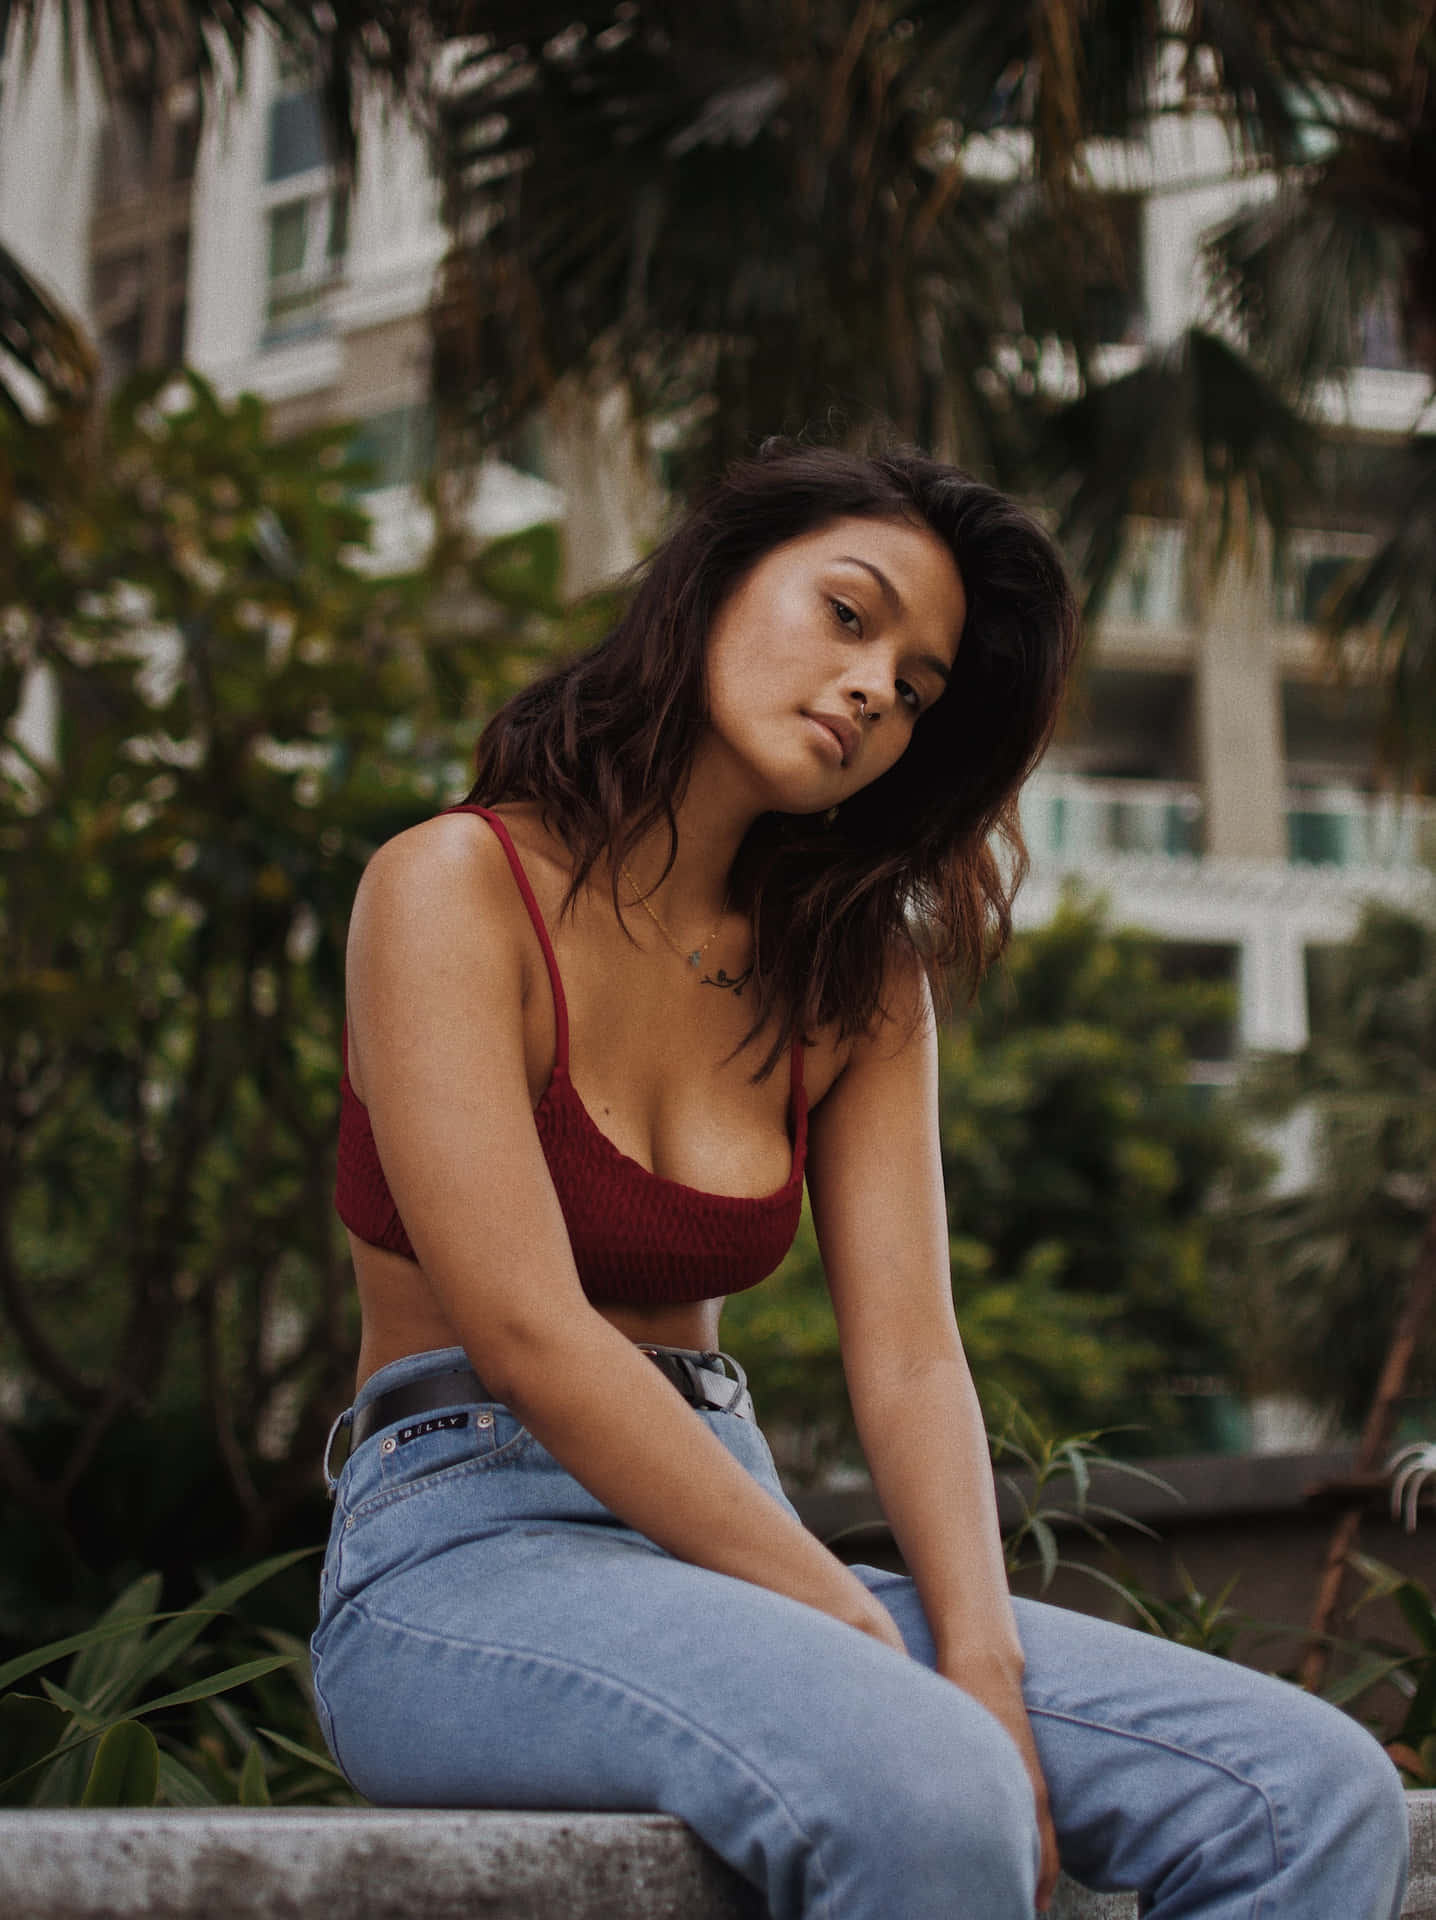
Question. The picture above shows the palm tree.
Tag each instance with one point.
(761, 216)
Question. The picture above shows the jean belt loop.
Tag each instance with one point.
(345, 1420)
(740, 1384)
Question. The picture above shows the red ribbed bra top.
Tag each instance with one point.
(637, 1238)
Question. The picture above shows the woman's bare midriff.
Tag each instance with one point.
(401, 1316)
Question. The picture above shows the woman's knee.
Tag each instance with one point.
(1353, 1792)
(944, 1814)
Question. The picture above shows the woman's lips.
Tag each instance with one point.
(837, 731)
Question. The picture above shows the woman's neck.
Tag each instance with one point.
(711, 826)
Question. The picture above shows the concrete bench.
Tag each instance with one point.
(373, 1864)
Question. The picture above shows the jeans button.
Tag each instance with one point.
(483, 1419)
(388, 1446)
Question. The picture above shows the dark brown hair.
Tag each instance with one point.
(603, 744)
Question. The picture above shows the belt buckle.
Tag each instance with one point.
(682, 1372)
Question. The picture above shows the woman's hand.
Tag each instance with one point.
(872, 1618)
(998, 1687)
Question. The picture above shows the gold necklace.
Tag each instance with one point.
(694, 955)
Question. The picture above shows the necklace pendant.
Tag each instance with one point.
(695, 959)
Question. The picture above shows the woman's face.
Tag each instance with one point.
(826, 654)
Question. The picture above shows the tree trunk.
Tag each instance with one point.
(1375, 1440)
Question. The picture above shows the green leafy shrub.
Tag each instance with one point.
(1409, 1671)
(1081, 1172)
(143, 1715)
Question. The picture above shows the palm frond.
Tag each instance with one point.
(40, 338)
(1296, 279)
(142, 47)
(1390, 600)
(1194, 433)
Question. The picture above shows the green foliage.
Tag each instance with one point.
(126, 1769)
(245, 713)
(1209, 1623)
(1053, 1467)
(1313, 1280)
(85, 1740)
(1376, 1662)
(1080, 1170)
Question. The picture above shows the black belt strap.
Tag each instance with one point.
(453, 1386)
(450, 1388)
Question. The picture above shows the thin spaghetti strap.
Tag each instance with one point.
(560, 1005)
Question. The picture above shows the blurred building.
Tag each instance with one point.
(1212, 780)
(1215, 779)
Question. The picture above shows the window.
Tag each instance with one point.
(308, 239)
(1312, 573)
(306, 212)
(1321, 579)
(147, 145)
(297, 142)
(1149, 584)
(1382, 336)
(139, 239)
(397, 447)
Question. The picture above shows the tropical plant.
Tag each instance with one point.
(1080, 1170)
(756, 216)
(1374, 1662)
(1051, 1468)
(1312, 1278)
(87, 1740)
(244, 714)
(1330, 1288)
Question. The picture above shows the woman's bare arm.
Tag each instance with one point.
(435, 995)
(875, 1179)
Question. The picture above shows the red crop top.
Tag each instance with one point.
(637, 1238)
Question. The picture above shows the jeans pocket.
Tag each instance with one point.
(431, 1448)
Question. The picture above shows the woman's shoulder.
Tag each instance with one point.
(462, 844)
(445, 879)
(439, 925)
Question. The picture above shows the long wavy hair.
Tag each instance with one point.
(928, 857)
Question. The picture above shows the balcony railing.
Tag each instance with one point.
(1326, 826)
(1068, 818)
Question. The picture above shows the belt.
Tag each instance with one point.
(700, 1385)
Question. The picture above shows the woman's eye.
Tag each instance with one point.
(848, 616)
(910, 696)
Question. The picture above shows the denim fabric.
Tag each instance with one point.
(491, 1636)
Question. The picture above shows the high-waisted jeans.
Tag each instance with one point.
(491, 1636)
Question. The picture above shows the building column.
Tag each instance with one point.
(1273, 1011)
(1238, 711)
(595, 455)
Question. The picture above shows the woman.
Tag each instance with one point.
(672, 956)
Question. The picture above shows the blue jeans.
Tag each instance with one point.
(491, 1636)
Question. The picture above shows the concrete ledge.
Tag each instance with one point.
(387, 1864)
(364, 1864)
